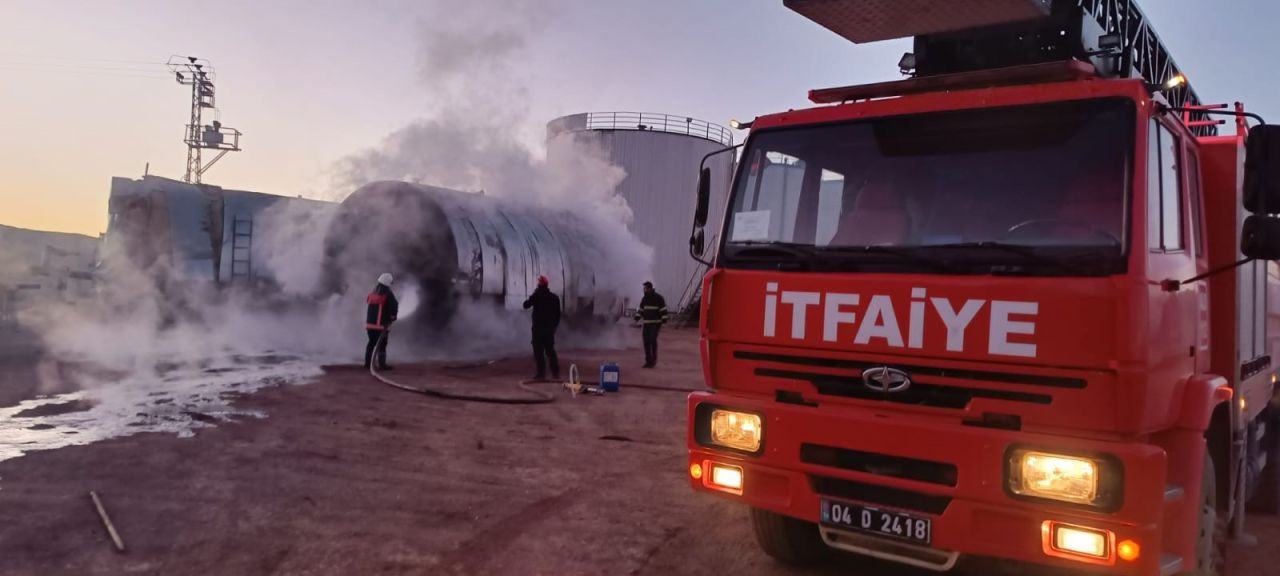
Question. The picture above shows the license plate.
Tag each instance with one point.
(872, 520)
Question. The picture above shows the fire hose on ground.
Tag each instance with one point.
(536, 396)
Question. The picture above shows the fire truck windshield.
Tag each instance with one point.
(1036, 190)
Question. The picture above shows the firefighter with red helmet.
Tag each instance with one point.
(379, 314)
(546, 318)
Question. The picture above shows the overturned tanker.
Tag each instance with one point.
(456, 247)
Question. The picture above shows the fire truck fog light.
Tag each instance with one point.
(1054, 476)
(737, 430)
(727, 478)
(1084, 544)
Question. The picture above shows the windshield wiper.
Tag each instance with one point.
(910, 253)
(1021, 250)
(797, 255)
(841, 257)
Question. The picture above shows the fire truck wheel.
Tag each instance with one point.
(786, 539)
(1266, 498)
(1211, 543)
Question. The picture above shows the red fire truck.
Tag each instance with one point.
(1020, 305)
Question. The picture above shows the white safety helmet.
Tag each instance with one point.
(386, 279)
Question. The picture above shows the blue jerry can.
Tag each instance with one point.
(610, 377)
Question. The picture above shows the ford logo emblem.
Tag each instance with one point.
(886, 379)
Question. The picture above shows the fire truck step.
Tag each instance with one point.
(1170, 564)
(1173, 493)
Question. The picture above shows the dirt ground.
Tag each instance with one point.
(348, 476)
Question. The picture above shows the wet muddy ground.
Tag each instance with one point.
(347, 476)
(174, 399)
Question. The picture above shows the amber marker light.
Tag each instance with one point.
(1128, 551)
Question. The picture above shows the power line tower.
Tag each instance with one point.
(199, 75)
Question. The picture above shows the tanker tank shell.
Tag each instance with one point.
(458, 246)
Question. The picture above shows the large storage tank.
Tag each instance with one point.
(660, 154)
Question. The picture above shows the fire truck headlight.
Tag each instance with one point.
(738, 430)
(1060, 477)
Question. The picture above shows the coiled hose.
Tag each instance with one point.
(538, 396)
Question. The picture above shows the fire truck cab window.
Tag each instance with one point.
(975, 184)
(774, 188)
(1164, 201)
(830, 199)
(1193, 183)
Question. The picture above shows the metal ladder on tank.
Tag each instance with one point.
(689, 309)
(241, 249)
(692, 297)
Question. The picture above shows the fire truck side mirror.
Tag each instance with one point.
(1260, 238)
(704, 198)
(1262, 170)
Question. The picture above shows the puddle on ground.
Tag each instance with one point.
(176, 401)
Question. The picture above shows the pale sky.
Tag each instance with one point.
(83, 96)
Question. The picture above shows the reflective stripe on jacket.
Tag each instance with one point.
(652, 310)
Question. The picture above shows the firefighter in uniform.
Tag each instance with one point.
(546, 318)
(381, 312)
(652, 314)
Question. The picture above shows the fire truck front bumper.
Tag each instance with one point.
(924, 491)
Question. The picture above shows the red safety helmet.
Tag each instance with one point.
(542, 281)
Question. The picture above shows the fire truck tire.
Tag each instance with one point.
(1266, 498)
(788, 540)
(1211, 542)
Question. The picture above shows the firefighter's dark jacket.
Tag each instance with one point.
(652, 310)
(382, 310)
(546, 309)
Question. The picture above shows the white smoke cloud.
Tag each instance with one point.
(291, 237)
(471, 67)
(148, 320)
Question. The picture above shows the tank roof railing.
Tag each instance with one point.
(657, 123)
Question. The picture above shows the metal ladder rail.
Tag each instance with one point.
(241, 249)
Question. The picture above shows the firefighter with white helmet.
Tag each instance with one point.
(380, 312)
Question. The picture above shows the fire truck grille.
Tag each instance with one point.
(882, 495)
(880, 464)
(922, 392)
(919, 394)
